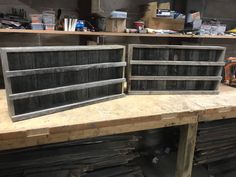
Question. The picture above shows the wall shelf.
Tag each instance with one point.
(16, 31)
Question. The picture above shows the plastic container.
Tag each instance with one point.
(36, 18)
(139, 25)
(118, 14)
(49, 17)
(49, 26)
(80, 25)
(37, 26)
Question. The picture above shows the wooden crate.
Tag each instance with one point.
(165, 23)
(115, 25)
(152, 21)
(165, 69)
(43, 80)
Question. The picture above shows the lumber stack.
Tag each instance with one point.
(43, 80)
(106, 157)
(161, 69)
(224, 168)
(216, 146)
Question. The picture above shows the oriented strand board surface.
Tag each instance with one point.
(131, 113)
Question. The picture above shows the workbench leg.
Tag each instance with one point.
(188, 135)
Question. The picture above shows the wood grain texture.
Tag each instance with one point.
(115, 34)
(128, 114)
(187, 142)
(215, 142)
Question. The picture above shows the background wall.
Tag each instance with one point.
(33, 6)
(105, 7)
(69, 7)
(223, 10)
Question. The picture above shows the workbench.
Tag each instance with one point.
(128, 114)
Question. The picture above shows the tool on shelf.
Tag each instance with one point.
(230, 71)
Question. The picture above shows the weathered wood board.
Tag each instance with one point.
(216, 141)
(165, 69)
(109, 156)
(44, 80)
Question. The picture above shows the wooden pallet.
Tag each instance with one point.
(173, 69)
(44, 80)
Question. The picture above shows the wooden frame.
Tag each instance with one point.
(9, 74)
(175, 63)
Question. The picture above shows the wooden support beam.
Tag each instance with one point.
(188, 134)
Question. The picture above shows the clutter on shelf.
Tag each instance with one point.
(70, 24)
(44, 21)
(116, 22)
(157, 18)
(212, 27)
(16, 19)
(160, 16)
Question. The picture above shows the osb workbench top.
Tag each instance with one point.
(131, 113)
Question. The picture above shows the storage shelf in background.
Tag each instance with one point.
(114, 34)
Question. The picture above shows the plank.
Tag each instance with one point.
(178, 78)
(63, 69)
(63, 108)
(182, 63)
(60, 48)
(85, 157)
(64, 89)
(18, 31)
(187, 47)
(186, 149)
(219, 140)
(177, 92)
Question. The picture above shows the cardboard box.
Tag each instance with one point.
(116, 25)
(165, 23)
(193, 16)
(165, 5)
(151, 21)
(151, 10)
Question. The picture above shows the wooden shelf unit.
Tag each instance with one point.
(113, 34)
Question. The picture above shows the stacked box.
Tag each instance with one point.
(165, 69)
(43, 80)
